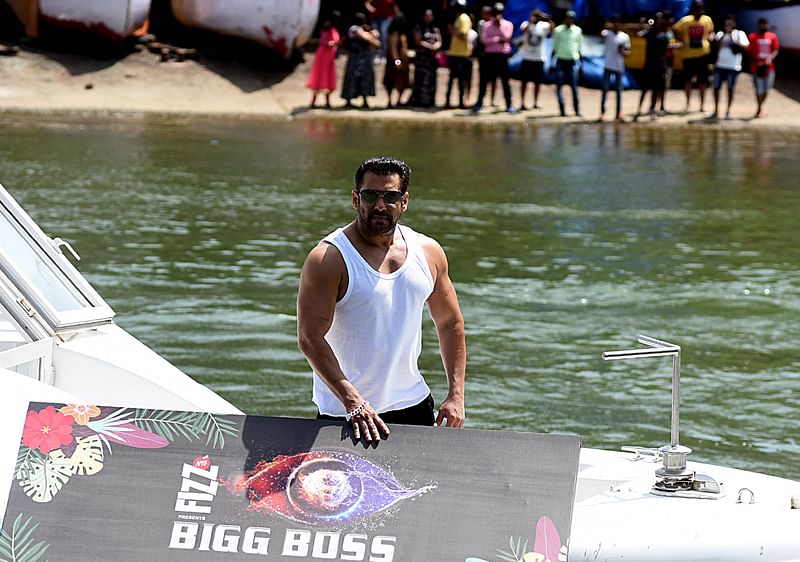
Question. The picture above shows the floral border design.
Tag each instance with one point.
(547, 546)
(72, 440)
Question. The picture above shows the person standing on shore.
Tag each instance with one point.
(763, 49)
(381, 13)
(618, 46)
(479, 50)
(322, 77)
(658, 38)
(458, 56)
(731, 44)
(397, 74)
(496, 38)
(359, 74)
(362, 293)
(695, 32)
(428, 40)
(673, 45)
(535, 32)
(567, 39)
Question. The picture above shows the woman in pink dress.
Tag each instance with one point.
(323, 70)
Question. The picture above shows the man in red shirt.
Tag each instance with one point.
(763, 49)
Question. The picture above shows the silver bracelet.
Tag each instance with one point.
(350, 415)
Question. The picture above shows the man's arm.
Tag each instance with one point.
(775, 49)
(625, 48)
(446, 314)
(507, 31)
(323, 274)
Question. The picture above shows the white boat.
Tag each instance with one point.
(112, 19)
(58, 343)
(282, 26)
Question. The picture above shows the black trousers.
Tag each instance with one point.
(420, 414)
(494, 66)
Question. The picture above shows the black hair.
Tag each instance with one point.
(384, 166)
(332, 19)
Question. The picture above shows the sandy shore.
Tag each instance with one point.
(45, 81)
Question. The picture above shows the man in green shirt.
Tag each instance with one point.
(567, 39)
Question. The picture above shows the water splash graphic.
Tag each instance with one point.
(323, 487)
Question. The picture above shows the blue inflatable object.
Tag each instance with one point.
(592, 69)
(625, 8)
(591, 73)
(592, 63)
(518, 11)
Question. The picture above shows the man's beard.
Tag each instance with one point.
(377, 222)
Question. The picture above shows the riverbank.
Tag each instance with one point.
(34, 80)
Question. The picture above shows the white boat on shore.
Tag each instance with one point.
(114, 20)
(281, 26)
(58, 343)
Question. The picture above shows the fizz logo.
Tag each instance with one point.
(198, 488)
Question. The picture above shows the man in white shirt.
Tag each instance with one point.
(533, 49)
(362, 293)
(618, 46)
(731, 43)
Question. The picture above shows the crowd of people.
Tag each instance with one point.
(690, 49)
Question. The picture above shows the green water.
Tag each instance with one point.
(563, 242)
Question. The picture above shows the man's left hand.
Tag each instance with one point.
(452, 410)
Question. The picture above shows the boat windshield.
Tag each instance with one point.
(48, 282)
(19, 251)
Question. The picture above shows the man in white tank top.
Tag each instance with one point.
(362, 293)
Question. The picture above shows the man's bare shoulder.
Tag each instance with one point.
(430, 246)
(324, 260)
(434, 253)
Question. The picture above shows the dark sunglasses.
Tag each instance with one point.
(371, 196)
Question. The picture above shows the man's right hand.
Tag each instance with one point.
(369, 424)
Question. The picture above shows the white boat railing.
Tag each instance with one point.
(39, 351)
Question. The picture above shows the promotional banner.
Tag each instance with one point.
(105, 483)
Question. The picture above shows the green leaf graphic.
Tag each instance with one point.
(25, 458)
(44, 477)
(215, 429)
(167, 424)
(515, 551)
(87, 458)
(18, 546)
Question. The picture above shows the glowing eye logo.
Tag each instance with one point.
(323, 487)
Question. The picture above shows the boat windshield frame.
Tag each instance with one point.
(47, 280)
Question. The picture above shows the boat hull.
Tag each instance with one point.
(617, 517)
(279, 25)
(112, 19)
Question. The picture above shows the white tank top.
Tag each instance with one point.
(376, 332)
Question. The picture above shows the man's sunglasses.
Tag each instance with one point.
(371, 196)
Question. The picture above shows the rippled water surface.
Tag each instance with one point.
(563, 242)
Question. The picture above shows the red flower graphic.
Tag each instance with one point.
(47, 430)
